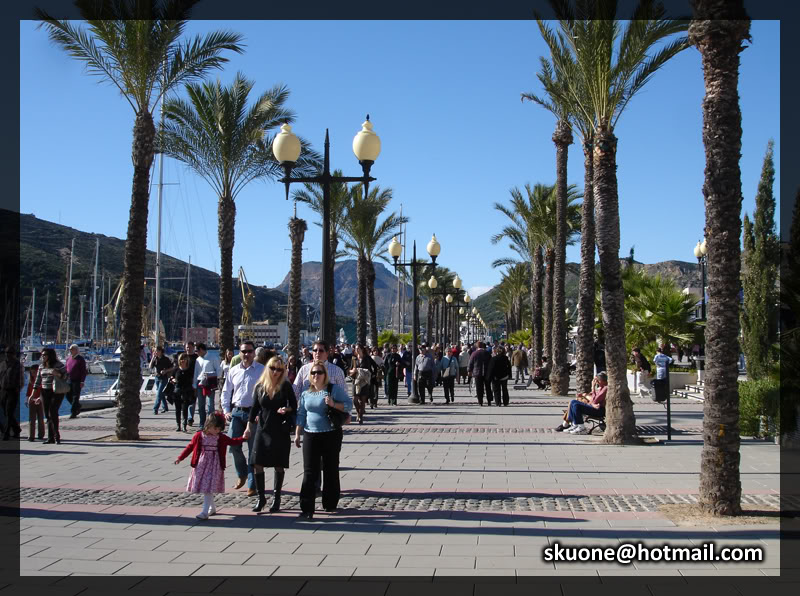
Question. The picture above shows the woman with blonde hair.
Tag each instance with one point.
(271, 424)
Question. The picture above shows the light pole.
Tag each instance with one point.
(702, 261)
(286, 149)
(441, 329)
(395, 250)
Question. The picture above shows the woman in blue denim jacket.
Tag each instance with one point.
(323, 441)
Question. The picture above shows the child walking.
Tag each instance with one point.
(209, 448)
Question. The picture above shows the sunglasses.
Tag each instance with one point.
(315, 350)
(317, 372)
(247, 351)
(273, 369)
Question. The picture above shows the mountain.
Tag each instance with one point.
(44, 264)
(683, 273)
(345, 282)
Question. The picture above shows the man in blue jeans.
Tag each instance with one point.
(209, 373)
(163, 367)
(237, 399)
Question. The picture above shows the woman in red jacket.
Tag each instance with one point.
(208, 448)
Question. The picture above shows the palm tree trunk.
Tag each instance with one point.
(585, 341)
(620, 420)
(373, 317)
(226, 216)
(297, 231)
(718, 31)
(361, 302)
(559, 375)
(547, 333)
(536, 308)
(130, 374)
(331, 298)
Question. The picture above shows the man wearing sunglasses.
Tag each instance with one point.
(237, 399)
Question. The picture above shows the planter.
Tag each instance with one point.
(677, 380)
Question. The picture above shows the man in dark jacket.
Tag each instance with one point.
(478, 367)
(77, 370)
(11, 380)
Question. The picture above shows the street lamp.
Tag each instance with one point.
(286, 149)
(702, 262)
(395, 250)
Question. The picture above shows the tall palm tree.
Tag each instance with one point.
(559, 102)
(524, 234)
(297, 231)
(556, 102)
(229, 145)
(605, 64)
(311, 194)
(545, 218)
(143, 58)
(718, 30)
(366, 238)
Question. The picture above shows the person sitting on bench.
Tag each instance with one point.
(591, 404)
(541, 375)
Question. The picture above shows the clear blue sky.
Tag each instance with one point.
(444, 98)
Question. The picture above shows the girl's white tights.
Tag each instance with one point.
(208, 504)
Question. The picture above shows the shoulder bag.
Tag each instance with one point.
(60, 384)
(288, 421)
(335, 416)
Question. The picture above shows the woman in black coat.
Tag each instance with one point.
(499, 372)
(271, 424)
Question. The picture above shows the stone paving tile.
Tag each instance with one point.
(150, 569)
(285, 559)
(138, 544)
(338, 549)
(248, 546)
(77, 565)
(422, 574)
(302, 570)
(63, 541)
(480, 550)
(142, 556)
(234, 570)
(440, 562)
(84, 554)
(31, 564)
(213, 558)
(194, 546)
(337, 560)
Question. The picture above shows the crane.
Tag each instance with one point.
(248, 303)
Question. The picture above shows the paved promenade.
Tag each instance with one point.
(428, 492)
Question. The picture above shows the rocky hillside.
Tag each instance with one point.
(345, 281)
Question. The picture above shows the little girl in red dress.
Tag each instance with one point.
(208, 448)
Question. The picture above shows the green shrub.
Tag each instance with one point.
(758, 398)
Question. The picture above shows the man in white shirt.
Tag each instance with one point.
(237, 399)
(208, 375)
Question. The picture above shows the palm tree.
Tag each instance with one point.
(144, 59)
(545, 216)
(659, 311)
(718, 30)
(366, 239)
(311, 194)
(604, 66)
(526, 239)
(560, 107)
(558, 102)
(297, 231)
(229, 146)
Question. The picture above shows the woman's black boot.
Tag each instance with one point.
(276, 492)
(262, 500)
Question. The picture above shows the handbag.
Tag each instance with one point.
(60, 385)
(335, 416)
(288, 421)
(210, 382)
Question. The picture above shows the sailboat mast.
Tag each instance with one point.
(93, 326)
(188, 294)
(69, 291)
(33, 313)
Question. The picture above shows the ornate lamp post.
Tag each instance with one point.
(441, 331)
(395, 250)
(702, 261)
(286, 148)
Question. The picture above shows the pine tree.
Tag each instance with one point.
(760, 259)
